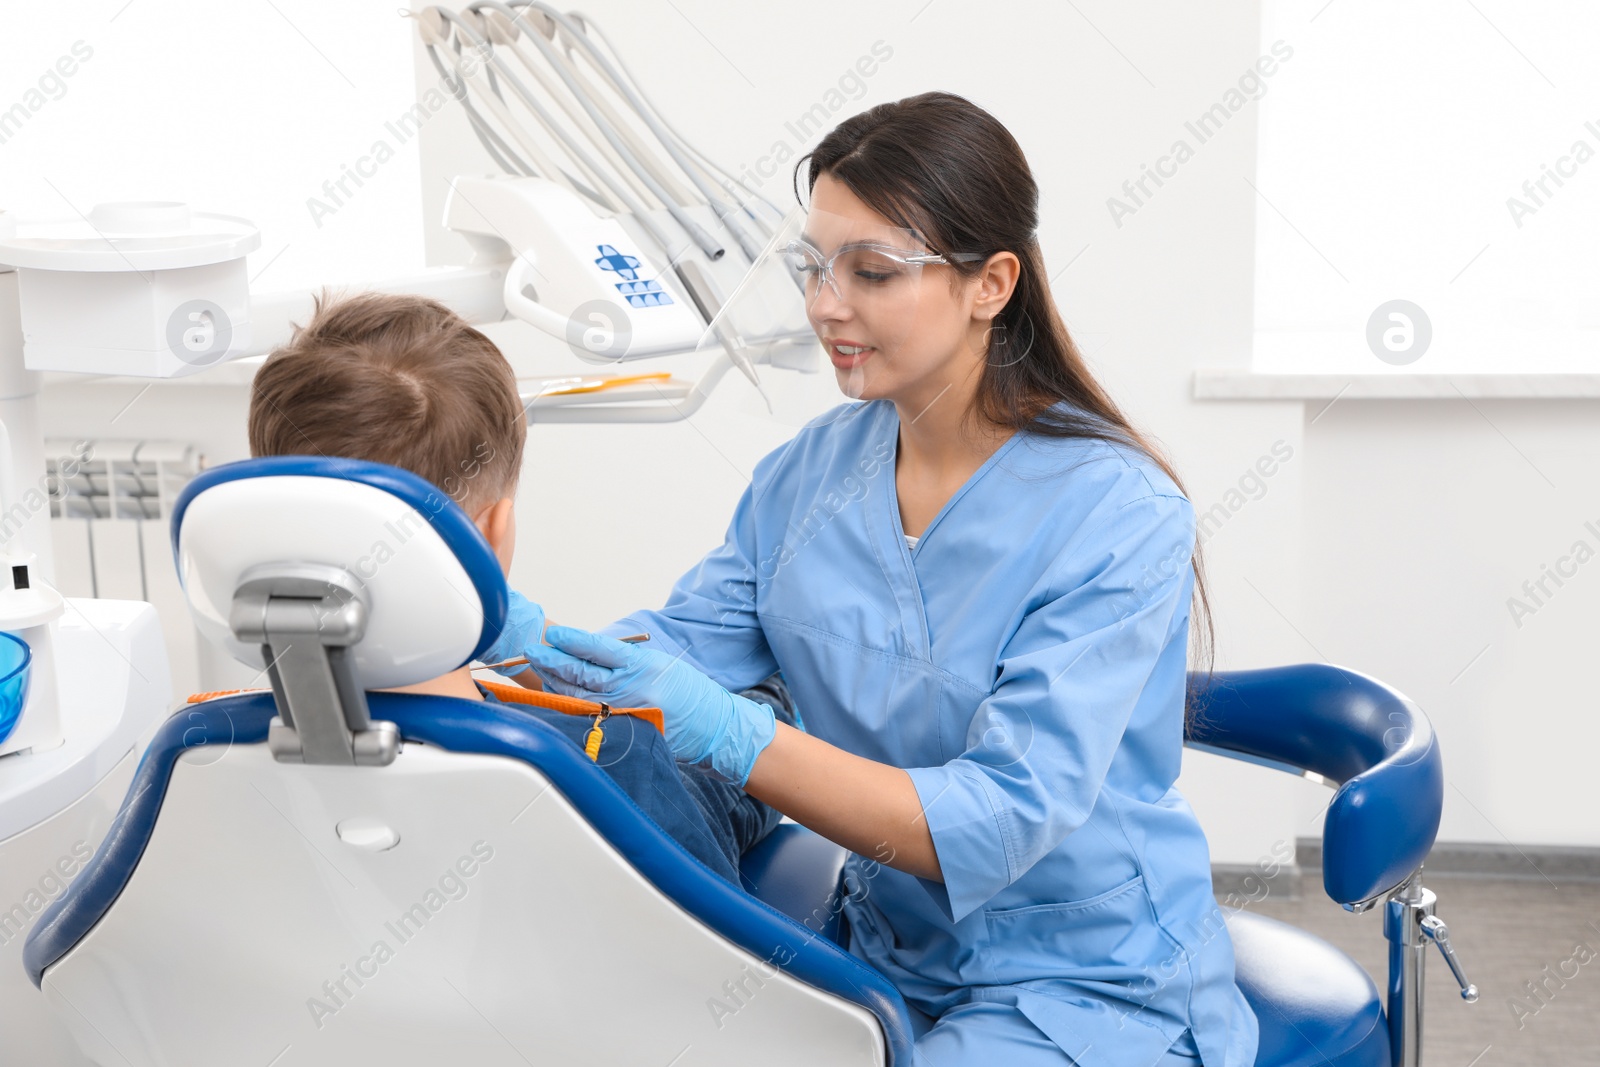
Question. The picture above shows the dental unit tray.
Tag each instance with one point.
(595, 284)
(623, 241)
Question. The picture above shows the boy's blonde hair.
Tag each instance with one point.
(401, 380)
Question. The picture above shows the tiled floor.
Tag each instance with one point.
(1506, 933)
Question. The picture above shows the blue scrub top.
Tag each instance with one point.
(1026, 664)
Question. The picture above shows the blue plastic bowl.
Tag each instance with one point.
(15, 659)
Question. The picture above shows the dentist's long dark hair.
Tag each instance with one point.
(943, 167)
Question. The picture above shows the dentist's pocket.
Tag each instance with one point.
(1111, 936)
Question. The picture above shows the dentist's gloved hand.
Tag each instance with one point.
(524, 629)
(706, 724)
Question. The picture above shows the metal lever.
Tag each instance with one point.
(1434, 929)
(1409, 924)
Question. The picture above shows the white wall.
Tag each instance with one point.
(1437, 152)
(1425, 519)
(249, 109)
(1387, 542)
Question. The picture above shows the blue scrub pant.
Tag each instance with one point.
(986, 1031)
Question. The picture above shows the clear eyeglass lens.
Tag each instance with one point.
(806, 262)
(854, 273)
(868, 268)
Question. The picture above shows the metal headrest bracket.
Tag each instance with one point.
(307, 617)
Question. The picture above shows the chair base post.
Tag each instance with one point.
(1407, 907)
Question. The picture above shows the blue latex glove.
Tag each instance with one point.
(524, 629)
(706, 725)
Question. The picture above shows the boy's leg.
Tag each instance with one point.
(637, 758)
(714, 820)
(737, 819)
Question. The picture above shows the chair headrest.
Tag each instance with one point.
(436, 594)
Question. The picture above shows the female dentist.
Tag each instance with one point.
(976, 580)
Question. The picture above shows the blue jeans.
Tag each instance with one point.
(714, 820)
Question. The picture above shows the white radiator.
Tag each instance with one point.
(110, 528)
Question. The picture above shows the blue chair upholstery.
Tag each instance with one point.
(798, 872)
(1315, 1004)
(1372, 743)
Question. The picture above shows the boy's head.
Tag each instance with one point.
(400, 380)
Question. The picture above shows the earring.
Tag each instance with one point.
(990, 343)
(996, 343)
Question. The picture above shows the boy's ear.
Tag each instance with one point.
(497, 523)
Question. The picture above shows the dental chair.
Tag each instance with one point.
(319, 873)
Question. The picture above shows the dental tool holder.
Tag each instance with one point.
(1409, 924)
(306, 618)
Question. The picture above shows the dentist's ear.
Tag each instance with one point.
(996, 282)
(498, 524)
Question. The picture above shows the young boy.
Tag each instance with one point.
(403, 380)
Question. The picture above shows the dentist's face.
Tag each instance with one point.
(889, 333)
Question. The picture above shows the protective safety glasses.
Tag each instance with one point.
(864, 273)
(861, 282)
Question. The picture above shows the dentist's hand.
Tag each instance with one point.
(524, 629)
(706, 724)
